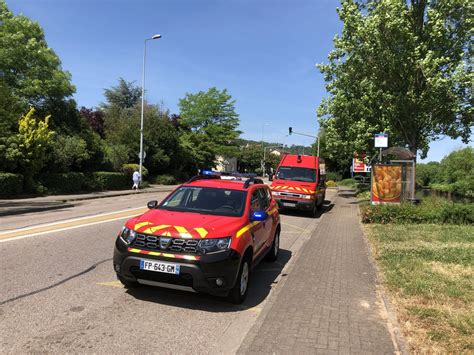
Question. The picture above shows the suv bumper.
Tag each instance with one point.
(195, 275)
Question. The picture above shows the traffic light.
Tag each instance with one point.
(290, 130)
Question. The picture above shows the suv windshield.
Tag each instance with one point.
(296, 174)
(221, 202)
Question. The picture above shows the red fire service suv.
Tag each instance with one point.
(299, 183)
(205, 236)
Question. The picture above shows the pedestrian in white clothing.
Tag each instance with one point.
(136, 180)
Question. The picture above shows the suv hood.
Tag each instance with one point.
(184, 224)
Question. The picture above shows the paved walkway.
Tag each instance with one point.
(328, 303)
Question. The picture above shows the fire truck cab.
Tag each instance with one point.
(300, 183)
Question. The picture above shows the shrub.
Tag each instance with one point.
(363, 195)
(348, 183)
(331, 183)
(331, 175)
(457, 213)
(165, 180)
(128, 169)
(431, 210)
(62, 183)
(10, 184)
(103, 180)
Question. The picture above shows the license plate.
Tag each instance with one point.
(287, 204)
(159, 266)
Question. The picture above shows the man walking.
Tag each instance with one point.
(136, 180)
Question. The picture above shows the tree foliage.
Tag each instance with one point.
(429, 173)
(33, 138)
(122, 131)
(124, 95)
(455, 172)
(31, 71)
(209, 125)
(95, 119)
(401, 67)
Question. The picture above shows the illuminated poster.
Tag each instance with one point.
(358, 166)
(386, 184)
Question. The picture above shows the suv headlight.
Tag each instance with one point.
(214, 245)
(128, 235)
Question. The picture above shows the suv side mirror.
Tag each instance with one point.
(258, 215)
(152, 204)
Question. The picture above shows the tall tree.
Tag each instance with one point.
(32, 73)
(122, 130)
(124, 95)
(403, 67)
(209, 125)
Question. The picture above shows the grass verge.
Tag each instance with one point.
(428, 270)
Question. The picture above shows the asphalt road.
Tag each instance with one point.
(59, 292)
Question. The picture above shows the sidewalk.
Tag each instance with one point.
(328, 303)
(36, 204)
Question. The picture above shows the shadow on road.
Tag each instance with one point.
(327, 206)
(262, 280)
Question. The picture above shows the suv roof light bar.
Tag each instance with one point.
(202, 177)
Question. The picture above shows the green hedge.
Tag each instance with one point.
(73, 182)
(128, 169)
(63, 182)
(165, 180)
(103, 180)
(10, 184)
(431, 210)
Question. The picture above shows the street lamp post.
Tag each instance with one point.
(157, 36)
(262, 166)
(270, 147)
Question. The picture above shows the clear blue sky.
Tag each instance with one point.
(262, 51)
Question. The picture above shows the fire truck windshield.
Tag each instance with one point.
(296, 174)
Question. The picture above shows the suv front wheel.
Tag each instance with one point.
(238, 293)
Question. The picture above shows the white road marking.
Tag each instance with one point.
(50, 226)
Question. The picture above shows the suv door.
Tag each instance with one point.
(260, 232)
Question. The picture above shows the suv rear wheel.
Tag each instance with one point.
(275, 249)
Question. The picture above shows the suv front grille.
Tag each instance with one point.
(153, 242)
